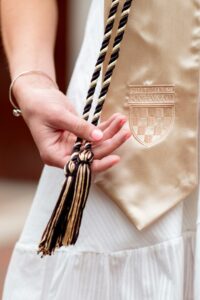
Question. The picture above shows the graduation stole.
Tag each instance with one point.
(63, 226)
(156, 83)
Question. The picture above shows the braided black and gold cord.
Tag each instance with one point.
(113, 60)
(98, 67)
(64, 224)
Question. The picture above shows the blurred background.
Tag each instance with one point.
(20, 164)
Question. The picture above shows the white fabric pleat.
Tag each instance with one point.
(111, 260)
(162, 272)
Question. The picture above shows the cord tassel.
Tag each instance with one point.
(63, 226)
(55, 229)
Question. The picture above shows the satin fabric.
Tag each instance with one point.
(156, 85)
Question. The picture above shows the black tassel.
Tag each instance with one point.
(63, 226)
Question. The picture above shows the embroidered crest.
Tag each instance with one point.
(151, 112)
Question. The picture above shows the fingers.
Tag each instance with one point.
(114, 127)
(102, 154)
(102, 126)
(78, 126)
(59, 149)
(97, 165)
(110, 145)
(105, 163)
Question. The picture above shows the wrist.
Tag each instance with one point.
(27, 82)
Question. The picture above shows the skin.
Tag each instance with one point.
(29, 31)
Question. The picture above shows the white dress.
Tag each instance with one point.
(111, 260)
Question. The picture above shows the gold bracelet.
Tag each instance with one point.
(16, 110)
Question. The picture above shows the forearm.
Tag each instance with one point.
(28, 31)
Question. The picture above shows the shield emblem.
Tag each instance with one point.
(151, 112)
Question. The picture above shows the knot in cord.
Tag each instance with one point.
(86, 156)
(69, 168)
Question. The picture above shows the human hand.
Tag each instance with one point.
(55, 125)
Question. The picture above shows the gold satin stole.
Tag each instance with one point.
(156, 84)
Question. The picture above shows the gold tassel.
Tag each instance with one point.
(63, 226)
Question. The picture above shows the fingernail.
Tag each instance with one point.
(122, 122)
(97, 134)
